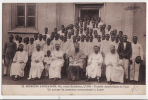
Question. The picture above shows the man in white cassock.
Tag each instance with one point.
(36, 64)
(19, 63)
(57, 63)
(134, 67)
(93, 70)
(114, 67)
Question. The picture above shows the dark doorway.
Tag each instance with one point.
(89, 13)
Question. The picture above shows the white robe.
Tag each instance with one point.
(114, 69)
(56, 64)
(134, 67)
(17, 68)
(93, 69)
(36, 68)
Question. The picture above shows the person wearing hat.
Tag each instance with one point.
(114, 67)
(36, 63)
(136, 59)
(76, 59)
(57, 63)
(9, 52)
(93, 69)
(19, 62)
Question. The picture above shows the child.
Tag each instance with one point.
(47, 62)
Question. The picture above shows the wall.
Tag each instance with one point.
(5, 22)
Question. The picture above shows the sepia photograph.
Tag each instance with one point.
(74, 45)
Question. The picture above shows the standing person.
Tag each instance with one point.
(30, 52)
(125, 52)
(56, 64)
(17, 40)
(9, 52)
(108, 29)
(93, 70)
(47, 62)
(75, 69)
(36, 63)
(19, 62)
(137, 52)
(114, 69)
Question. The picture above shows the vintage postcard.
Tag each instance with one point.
(74, 48)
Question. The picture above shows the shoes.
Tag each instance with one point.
(109, 82)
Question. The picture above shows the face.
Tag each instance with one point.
(24, 40)
(120, 33)
(48, 53)
(135, 39)
(112, 37)
(76, 47)
(38, 47)
(16, 37)
(20, 39)
(31, 40)
(10, 38)
(48, 41)
(82, 38)
(112, 48)
(35, 36)
(46, 29)
(99, 38)
(21, 47)
(91, 38)
(55, 30)
(65, 39)
(57, 47)
(108, 27)
(115, 31)
(44, 37)
(124, 38)
(107, 37)
(40, 37)
(96, 49)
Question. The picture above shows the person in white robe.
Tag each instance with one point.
(134, 67)
(37, 66)
(17, 41)
(47, 62)
(57, 63)
(19, 63)
(93, 70)
(114, 67)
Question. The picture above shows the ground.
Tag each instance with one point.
(64, 81)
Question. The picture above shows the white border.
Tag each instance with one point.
(73, 97)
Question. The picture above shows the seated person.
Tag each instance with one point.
(47, 62)
(19, 63)
(114, 69)
(36, 63)
(93, 70)
(57, 63)
(75, 69)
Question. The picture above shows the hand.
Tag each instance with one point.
(131, 62)
(36, 61)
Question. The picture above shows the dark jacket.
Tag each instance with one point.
(127, 52)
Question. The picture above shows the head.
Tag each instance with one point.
(112, 49)
(31, 40)
(82, 38)
(112, 38)
(24, 40)
(125, 38)
(21, 47)
(103, 36)
(57, 47)
(38, 47)
(44, 37)
(95, 33)
(76, 45)
(48, 41)
(69, 35)
(64, 38)
(35, 36)
(11, 38)
(91, 30)
(112, 33)
(55, 30)
(115, 32)
(46, 30)
(91, 38)
(48, 53)
(135, 39)
(87, 38)
(107, 37)
(27, 40)
(120, 33)
(20, 39)
(109, 27)
(96, 49)
(99, 38)
(40, 37)
(56, 36)
(17, 37)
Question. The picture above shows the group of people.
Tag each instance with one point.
(86, 49)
